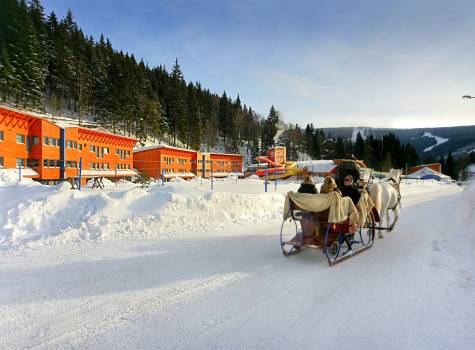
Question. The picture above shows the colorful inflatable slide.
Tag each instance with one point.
(276, 170)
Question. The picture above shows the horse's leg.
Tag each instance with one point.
(381, 219)
(388, 219)
(396, 216)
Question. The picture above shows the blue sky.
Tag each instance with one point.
(333, 63)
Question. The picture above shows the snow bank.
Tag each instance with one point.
(9, 177)
(466, 212)
(52, 214)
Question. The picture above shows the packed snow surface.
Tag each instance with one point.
(183, 267)
(438, 141)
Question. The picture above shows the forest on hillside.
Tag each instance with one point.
(49, 64)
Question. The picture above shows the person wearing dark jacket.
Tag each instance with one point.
(307, 186)
(348, 190)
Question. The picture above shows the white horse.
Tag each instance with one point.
(386, 196)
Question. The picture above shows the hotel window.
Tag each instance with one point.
(20, 138)
(57, 163)
(52, 141)
(1, 135)
(35, 140)
(92, 148)
(106, 166)
(91, 165)
(51, 163)
(1, 162)
(106, 150)
(80, 146)
(20, 162)
(32, 163)
(45, 162)
(46, 141)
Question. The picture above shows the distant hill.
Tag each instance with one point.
(435, 142)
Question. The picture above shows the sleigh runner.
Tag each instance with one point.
(328, 222)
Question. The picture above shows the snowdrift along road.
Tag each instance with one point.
(32, 212)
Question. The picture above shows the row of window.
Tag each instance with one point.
(105, 166)
(55, 163)
(52, 141)
(99, 166)
(71, 164)
(122, 153)
(171, 171)
(73, 144)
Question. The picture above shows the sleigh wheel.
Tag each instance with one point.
(332, 247)
(367, 232)
(333, 250)
(290, 237)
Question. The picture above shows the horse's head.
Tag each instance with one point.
(395, 174)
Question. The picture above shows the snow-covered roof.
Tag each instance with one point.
(428, 171)
(224, 154)
(148, 148)
(317, 166)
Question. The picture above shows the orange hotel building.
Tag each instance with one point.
(185, 163)
(49, 153)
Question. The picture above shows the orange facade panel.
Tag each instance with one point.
(172, 161)
(54, 152)
(226, 163)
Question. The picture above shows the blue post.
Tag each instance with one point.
(275, 177)
(265, 179)
(163, 177)
(80, 173)
(19, 173)
(212, 176)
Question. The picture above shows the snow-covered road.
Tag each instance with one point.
(234, 290)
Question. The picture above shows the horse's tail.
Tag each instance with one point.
(375, 195)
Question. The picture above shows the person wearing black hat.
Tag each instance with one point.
(307, 186)
(348, 190)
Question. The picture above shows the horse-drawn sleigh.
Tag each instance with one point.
(339, 237)
(340, 226)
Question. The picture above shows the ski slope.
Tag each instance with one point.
(438, 141)
(230, 287)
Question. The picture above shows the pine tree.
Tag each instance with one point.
(450, 169)
(387, 163)
(224, 118)
(358, 149)
(7, 78)
(269, 130)
(175, 106)
(340, 149)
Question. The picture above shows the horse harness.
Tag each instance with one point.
(395, 184)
